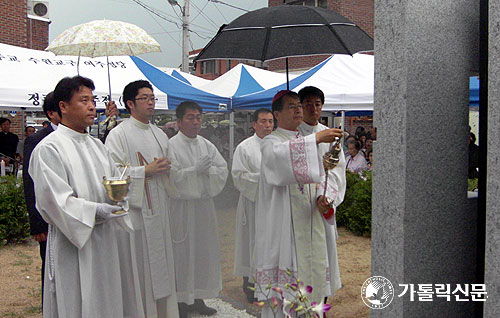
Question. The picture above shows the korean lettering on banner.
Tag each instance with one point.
(35, 97)
(101, 99)
(8, 58)
(48, 61)
(461, 292)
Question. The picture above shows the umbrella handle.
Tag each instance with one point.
(78, 64)
(109, 77)
(287, 79)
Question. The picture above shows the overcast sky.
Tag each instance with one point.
(67, 13)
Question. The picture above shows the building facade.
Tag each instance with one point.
(23, 23)
(359, 12)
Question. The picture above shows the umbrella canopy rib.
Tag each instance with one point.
(266, 44)
(285, 31)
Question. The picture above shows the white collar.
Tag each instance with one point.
(72, 133)
(139, 124)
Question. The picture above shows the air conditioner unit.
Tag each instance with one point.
(38, 8)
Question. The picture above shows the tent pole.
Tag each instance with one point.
(23, 121)
(231, 136)
(342, 122)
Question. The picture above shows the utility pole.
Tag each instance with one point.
(185, 33)
(185, 37)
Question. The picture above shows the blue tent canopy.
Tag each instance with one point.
(179, 91)
(250, 95)
(178, 76)
(248, 84)
(474, 91)
(264, 98)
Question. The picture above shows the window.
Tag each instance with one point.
(314, 3)
(208, 67)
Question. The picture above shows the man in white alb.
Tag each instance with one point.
(312, 100)
(83, 275)
(246, 173)
(199, 175)
(290, 229)
(144, 146)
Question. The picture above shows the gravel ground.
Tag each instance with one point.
(20, 294)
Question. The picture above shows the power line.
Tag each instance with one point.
(166, 32)
(201, 36)
(229, 5)
(216, 7)
(173, 8)
(204, 28)
(156, 12)
(206, 3)
(251, 4)
(206, 17)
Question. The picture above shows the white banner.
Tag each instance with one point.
(29, 75)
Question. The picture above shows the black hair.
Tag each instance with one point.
(356, 144)
(473, 137)
(359, 130)
(68, 86)
(26, 129)
(368, 155)
(255, 115)
(278, 104)
(351, 137)
(3, 120)
(132, 89)
(49, 104)
(311, 91)
(180, 111)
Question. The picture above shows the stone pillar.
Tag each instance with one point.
(423, 225)
(492, 271)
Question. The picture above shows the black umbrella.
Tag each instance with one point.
(283, 31)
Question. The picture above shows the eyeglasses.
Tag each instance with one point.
(148, 99)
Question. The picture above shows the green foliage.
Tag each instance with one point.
(472, 185)
(355, 213)
(14, 222)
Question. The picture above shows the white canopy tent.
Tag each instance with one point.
(193, 80)
(348, 82)
(28, 75)
(244, 79)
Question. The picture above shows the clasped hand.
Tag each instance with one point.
(158, 166)
(203, 164)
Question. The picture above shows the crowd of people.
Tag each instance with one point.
(360, 150)
(11, 146)
(157, 253)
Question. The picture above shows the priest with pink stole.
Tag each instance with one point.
(291, 241)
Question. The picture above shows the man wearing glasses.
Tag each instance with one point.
(290, 238)
(144, 146)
